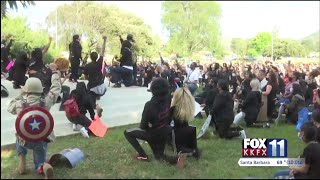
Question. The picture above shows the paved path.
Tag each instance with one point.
(121, 106)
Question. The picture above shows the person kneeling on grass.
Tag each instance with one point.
(85, 103)
(311, 153)
(155, 126)
(251, 107)
(182, 111)
(222, 112)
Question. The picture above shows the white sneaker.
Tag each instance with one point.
(84, 132)
(242, 134)
(74, 127)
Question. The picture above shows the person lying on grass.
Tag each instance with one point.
(311, 153)
(155, 126)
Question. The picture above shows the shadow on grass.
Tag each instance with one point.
(111, 157)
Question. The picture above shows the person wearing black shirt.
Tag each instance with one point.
(19, 70)
(155, 125)
(37, 68)
(222, 112)
(5, 50)
(75, 50)
(182, 111)
(311, 154)
(124, 73)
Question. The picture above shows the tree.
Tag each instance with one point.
(95, 20)
(25, 38)
(239, 46)
(193, 26)
(260, 43)
(13, 5)
(311, 42)
(286, 48)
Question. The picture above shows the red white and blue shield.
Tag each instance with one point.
(34, 124)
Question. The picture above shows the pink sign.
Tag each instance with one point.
(9, 66)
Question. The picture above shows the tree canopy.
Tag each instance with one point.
(95, 20)
(26, 39)
(193, 26)
(311, 42)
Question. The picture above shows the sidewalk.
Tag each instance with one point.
(121, 106)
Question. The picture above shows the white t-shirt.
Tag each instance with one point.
(193, 75)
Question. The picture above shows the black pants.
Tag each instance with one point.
(225, 131)
(186, 139)
(82, 120)
(124, 74)
(74, 69)
(156, 139)
(134, 74)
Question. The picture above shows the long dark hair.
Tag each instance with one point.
(80, 93)
(273, 79)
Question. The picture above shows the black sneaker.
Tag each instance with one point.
(117, 86)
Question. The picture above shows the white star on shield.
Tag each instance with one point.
(35, 124)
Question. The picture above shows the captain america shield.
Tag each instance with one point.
(34, 124)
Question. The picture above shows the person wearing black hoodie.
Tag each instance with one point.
(75, 50)
(5, 50)
(222, 111)
(92, 72)
(85, 103)
(155, 125)
(124, 73)
(19, 70)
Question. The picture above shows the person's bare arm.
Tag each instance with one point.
(46, 48)
(268, 90)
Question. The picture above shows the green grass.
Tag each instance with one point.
(111, 157)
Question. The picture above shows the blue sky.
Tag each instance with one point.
(242, 19)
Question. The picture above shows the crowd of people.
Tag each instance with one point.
(258, 94)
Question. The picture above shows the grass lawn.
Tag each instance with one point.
(111, 157)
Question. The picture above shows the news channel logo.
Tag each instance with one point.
(267, 152)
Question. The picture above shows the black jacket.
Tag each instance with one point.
(5, 52)
(75, 50)
(157, 113)
(222, 109)
(93, 71)
(126, 54)
(251, 105)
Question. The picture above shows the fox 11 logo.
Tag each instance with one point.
(259, 147)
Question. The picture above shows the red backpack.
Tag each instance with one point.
(71, 108)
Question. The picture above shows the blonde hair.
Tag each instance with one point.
(184, 104)
(255, 84)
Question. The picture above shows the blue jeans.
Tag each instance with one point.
(283, 174)
(192, 88)
(39, 152)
